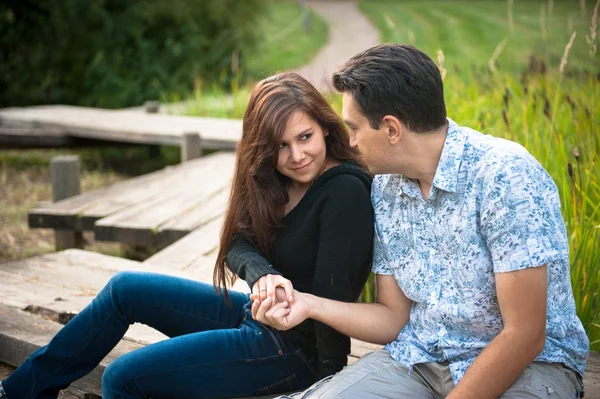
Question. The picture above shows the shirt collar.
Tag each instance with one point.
(446, 174)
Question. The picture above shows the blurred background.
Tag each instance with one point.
(526, 70)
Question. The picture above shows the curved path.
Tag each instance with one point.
(349, 33)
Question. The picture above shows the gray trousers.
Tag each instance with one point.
(377, 375)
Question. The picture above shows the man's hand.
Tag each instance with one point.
(266, 286)
(281, 315)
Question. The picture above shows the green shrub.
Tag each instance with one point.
(115, 53)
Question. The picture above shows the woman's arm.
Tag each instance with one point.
(250, 265)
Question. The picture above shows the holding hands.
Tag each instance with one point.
(277, 304)
(265, 287)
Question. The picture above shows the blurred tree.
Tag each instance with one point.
(115, 53)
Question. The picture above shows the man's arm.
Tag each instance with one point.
(522, 300)
(379, 322)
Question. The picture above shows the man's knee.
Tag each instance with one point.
(375, 375)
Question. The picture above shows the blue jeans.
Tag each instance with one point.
(215, 350)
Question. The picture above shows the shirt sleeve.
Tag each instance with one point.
(246, 261)
(380, 257)
(343, 262)
(520, 215)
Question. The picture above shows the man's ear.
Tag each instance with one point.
(393, 129)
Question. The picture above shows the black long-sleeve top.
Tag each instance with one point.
(324, 248)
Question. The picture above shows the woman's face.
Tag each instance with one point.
(302, 150)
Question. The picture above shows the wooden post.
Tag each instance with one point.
(152, 107)
(191, 146)
(64, 172)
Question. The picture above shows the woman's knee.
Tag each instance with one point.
(117, 378)
(120, 289)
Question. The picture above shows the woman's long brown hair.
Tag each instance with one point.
(259, 192)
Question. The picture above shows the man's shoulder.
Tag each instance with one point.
(488, 150)
(491, 158)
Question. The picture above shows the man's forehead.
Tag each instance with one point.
(347, 105)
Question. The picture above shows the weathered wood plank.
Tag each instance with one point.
(17, 137)
(81, 212)
(123, 125)
(194, 218)
(187, 252)
(166, 217)
(21, 334)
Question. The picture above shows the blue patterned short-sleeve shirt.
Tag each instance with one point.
(492, 209)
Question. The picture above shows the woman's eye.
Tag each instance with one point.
(282, 146)
(306, 137)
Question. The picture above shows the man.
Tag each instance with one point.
(471, 254)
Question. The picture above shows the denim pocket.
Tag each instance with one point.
(288, 384)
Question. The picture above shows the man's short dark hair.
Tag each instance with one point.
(398, 80)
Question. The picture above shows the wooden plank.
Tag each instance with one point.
(123, 125)
(93, 205)
(21, 334)
(191, 251)
(195, 255)
(194, 218)
(81, 212)
(34, 137)
(65, 282)
(166, 217)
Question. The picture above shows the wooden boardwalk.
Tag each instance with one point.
(42, 293)
(155, 209)
(61, 124)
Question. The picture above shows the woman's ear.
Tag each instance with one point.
(393, 129)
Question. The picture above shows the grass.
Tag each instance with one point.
(25, 182)
(470, 31)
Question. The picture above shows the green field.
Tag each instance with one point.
(469, 31)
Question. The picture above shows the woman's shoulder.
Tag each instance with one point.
(346, 174)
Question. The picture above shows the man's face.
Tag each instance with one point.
(372, 143)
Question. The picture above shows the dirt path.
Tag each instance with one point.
(349, 33)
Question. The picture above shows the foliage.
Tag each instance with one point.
(286, 44)
(113, 53)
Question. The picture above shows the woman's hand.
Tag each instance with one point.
(281, 315)
(266, 287)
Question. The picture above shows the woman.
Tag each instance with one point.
(299, 217)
